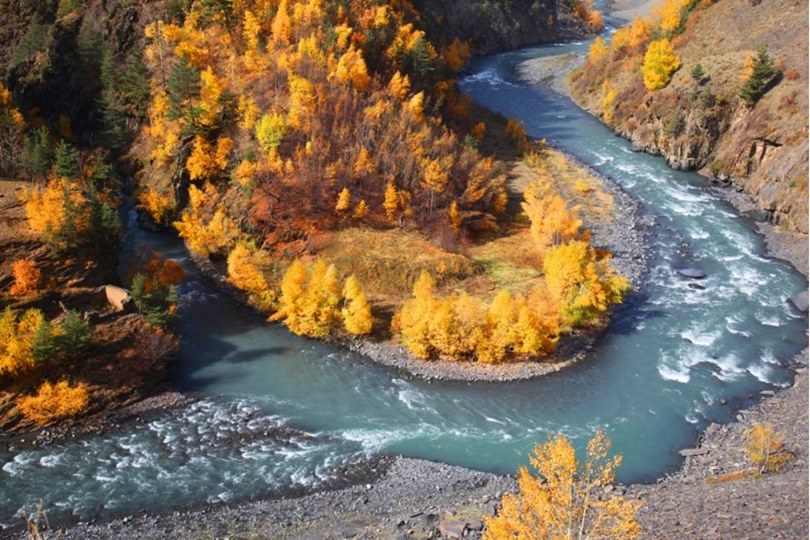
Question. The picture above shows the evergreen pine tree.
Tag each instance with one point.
(763, 76)
(66, 160)
(38, 152)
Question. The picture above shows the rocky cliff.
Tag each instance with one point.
(703, 124)
(496, 25)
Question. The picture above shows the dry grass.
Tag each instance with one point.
(387, 262)
(730, 477)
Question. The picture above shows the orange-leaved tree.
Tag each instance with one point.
(54, 402)
(564, 499)
(27, 277)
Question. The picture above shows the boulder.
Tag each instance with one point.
(117, 297)
(452, 528)
(799, 301)
(689, 452)
(692, 273)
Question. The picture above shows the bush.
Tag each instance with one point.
(660, 62)
(27, 277)
(53, 402)
(765, 448)
(675, 124)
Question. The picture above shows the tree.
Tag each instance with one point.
(660, 62)
(155, 301)
(763, 76)
(413, 320)
(183, 89)
(59, 213)
(17, 339)
(765, 448)
(357, 318)
(293, 287)
(391, 202)
(598, 51)
(27, 277)
(38, 151)
(270, 131)
(75, 333)
(582, 286)
(698, 73)
(54, 402)
(343, 202)
(563, 499)
(552, 222)
(246, 270)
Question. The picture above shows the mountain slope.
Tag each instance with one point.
(705, 125)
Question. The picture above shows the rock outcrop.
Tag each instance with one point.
(500, 24)
(704, 125)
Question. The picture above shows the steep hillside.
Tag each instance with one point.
(502, 24)
(701, 121)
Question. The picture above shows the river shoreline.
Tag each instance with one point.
(425, 497)
(624, 237)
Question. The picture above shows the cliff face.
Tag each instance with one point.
(704, 125)
(498, 25)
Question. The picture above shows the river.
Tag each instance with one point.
(673, 360)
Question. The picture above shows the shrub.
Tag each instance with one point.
(565, 500)
(675, 124)
(698, 73)
(27, 277)
(765, 448)
(54, 402)
(792, 75)
(660, 62)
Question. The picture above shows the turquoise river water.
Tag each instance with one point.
(657, 378)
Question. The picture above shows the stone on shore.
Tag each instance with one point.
(800, 301)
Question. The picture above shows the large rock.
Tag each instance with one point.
(692, 273)
(799, 301)
(117, 297)
(452, 528)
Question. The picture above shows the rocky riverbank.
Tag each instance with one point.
(685, 504)
(624, 235)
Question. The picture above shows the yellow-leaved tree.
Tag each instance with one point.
(310, 299)
(564, 499)
(414, 318)
(18, 340)
(583, 285)
(552, 222)
(765, 447)
(247, 268)
(357, 318)
(598, 51)
(660, 62)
